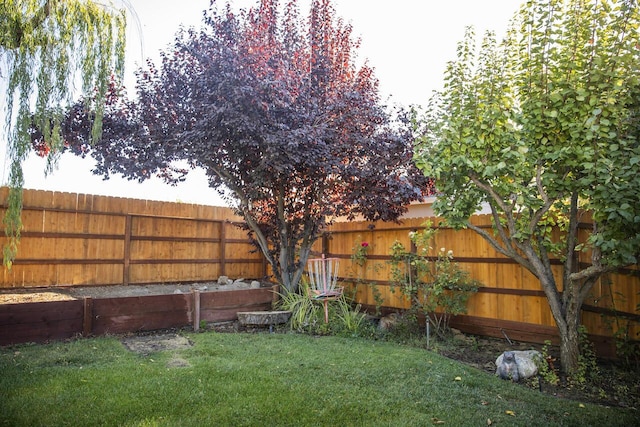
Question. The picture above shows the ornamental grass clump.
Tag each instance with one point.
(307, 315)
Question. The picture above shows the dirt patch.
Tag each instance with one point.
(613, 385)
(147, 344)
(178, 362)
(18, 297)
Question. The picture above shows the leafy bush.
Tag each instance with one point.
(304, 313)
(438, 289)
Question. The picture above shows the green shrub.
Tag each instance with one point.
(438, 289)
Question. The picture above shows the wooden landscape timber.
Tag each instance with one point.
(56, 320)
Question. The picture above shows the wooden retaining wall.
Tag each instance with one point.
(78, 239)
(44, 321)
(510, 301)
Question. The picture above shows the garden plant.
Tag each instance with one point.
(543, 129)
(436, 286)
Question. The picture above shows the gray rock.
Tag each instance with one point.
(263, 317)
(527, 362)
(389, 321)
(255, 284)
(224, 280)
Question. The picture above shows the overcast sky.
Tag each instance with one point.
(408, 42)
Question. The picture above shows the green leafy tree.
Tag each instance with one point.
(544, 128)
(45, 45)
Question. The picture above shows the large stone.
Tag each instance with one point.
(224, 280)
(263, 317)
(389, 321)
(528, 363)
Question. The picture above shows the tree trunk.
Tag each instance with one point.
(290, 270)
(565, 309)
(569, 343)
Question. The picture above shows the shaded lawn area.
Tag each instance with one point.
(268, 379)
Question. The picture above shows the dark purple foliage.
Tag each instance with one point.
(274, 110)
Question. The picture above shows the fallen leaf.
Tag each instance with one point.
(513, 414)
(458, 378)
(581, 405)
(489, 422)
(436, 421)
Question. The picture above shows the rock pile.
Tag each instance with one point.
(237, 283)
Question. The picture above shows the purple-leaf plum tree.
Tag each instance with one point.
(274, 108)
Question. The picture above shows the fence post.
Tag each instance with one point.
(87, 320)
(127, 250)
(196, 309)
(325, 244)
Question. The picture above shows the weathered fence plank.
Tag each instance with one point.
(223, 305)
(118, 315)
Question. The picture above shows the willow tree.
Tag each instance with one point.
(543, 128)
(49, 47)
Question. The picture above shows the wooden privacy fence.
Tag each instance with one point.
(510, 301)
(77, 239)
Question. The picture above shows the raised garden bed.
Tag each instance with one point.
(103, 313)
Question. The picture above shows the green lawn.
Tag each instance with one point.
(265, 380)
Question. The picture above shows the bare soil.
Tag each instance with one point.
(162, 341)
(614, 385)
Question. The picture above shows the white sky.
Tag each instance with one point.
(408, 42)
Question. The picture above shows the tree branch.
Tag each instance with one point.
(572, 237)
(537, 216)
(511, 253)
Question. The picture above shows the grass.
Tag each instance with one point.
(268, 379)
